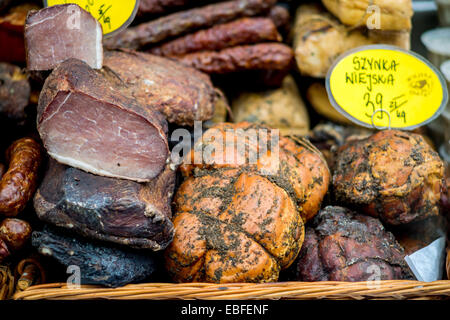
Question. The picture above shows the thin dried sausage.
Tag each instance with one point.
(264, 56)
(187, 21)
(238, 32)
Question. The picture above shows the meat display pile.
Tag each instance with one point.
(104, 126)
(265, 56)
(200, 144)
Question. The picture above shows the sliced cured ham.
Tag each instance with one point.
(56, 33)
(87, 123)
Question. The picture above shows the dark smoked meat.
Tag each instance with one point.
(99, 264)
(56, 33)
(238, 32)
(183, 22)
(393, 175)
(115, 210)
(181, 93)
(85, 123)
(345, 246)
(263, 56)
(14, 92)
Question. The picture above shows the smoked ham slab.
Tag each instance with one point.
(87, 123)
(12, 25)
(56, 33)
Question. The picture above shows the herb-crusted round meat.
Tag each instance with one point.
(345, 246)
(243, 221)
(393, 175)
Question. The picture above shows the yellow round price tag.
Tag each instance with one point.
(386, 87)
(113, 15)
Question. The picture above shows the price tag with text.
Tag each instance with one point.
(113, 15)
(386, 87)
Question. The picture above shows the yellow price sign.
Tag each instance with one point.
(113, 15)
(386, 87)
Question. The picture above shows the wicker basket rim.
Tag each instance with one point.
(385, 289)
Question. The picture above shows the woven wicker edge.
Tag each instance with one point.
(392, 290)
